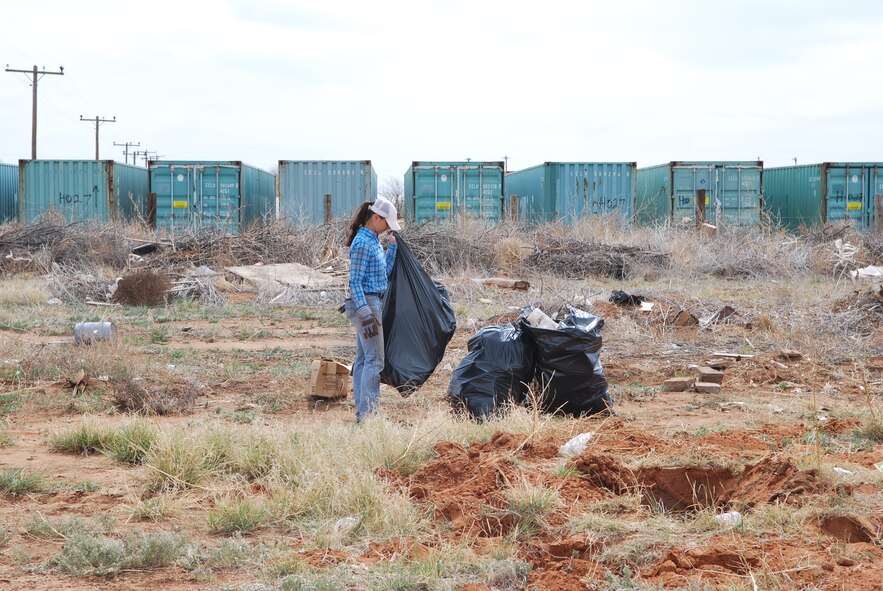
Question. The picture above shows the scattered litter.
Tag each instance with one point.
(145, 249)
(790, 354)
(870, 272)
(329, 379)
(171, 366)
(53, 301)
(732, 518)
(879, 466)
(286, 274)
(776, 409)
(485, 301)
(736, 356)
(843, 471)
(503, 282)
(538, 319)
(646, 306)
(85, 333)
(344, 525)
(577, 445)
(822, 418)
(732, 405)
(621, 298)
(777, 364)
(685, 318)
(722, 316)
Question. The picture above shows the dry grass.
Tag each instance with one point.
(131, 395)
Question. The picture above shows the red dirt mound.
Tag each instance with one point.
(848, 529)
(678, 488)
(605, 472)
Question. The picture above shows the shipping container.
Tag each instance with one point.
(210, 194)
(8, 192)
(731, 193)
(301, 186)
(829, 192)
(101, 190)
(570, 191)
(447, 191)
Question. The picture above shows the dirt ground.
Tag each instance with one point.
(639, 508)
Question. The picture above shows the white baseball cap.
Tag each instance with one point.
(385, 209)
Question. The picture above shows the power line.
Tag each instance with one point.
(126, 150)
(98, 122)
(35, 73)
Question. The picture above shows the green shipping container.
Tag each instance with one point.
(449, 191)
(731, 193)
(570, 191)
(8, 192)
(829, 192)
(101, 190)
(210, 194)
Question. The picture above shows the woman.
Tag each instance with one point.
(369, 272)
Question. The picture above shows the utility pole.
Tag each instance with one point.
(35, 73)
(145, 154)
(98, 122)
(505, 164)
(126, 151)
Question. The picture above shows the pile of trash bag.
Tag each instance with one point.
(561, 361)
(418, 323)
(497, 371)
(569, 378)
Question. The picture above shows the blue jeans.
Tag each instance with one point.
(369, 359)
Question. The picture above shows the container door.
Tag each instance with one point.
(479, 192)
(198, 196)
(434, 193)
(217, 194)
(875, 196)
(687, 183)
(848, 195)
(737, 196)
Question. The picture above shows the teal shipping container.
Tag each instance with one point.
(8, 192)
(448, 191)
(301, 186)
(829, 192)
(100, 190)
(571, 191)
(733, 192)
(210, 194)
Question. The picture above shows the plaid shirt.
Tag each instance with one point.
(368, 270)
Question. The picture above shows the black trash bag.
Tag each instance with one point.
(621, 298)
(496, 372)
(418, 323)
(568, 362)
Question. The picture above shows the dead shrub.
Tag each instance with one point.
(130, 395)
(509, 253)
(142, 288)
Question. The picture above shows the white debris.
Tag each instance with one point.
(733, 518)
(777, 409)
(843, 471)
(577, 445)
(870, 272)
(53, 302)
(345, 524)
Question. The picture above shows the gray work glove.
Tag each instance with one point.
(370, 326)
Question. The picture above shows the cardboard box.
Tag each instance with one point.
(329, 379)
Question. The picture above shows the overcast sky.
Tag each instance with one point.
(269, 80)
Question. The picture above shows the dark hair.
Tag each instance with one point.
(359, 219)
